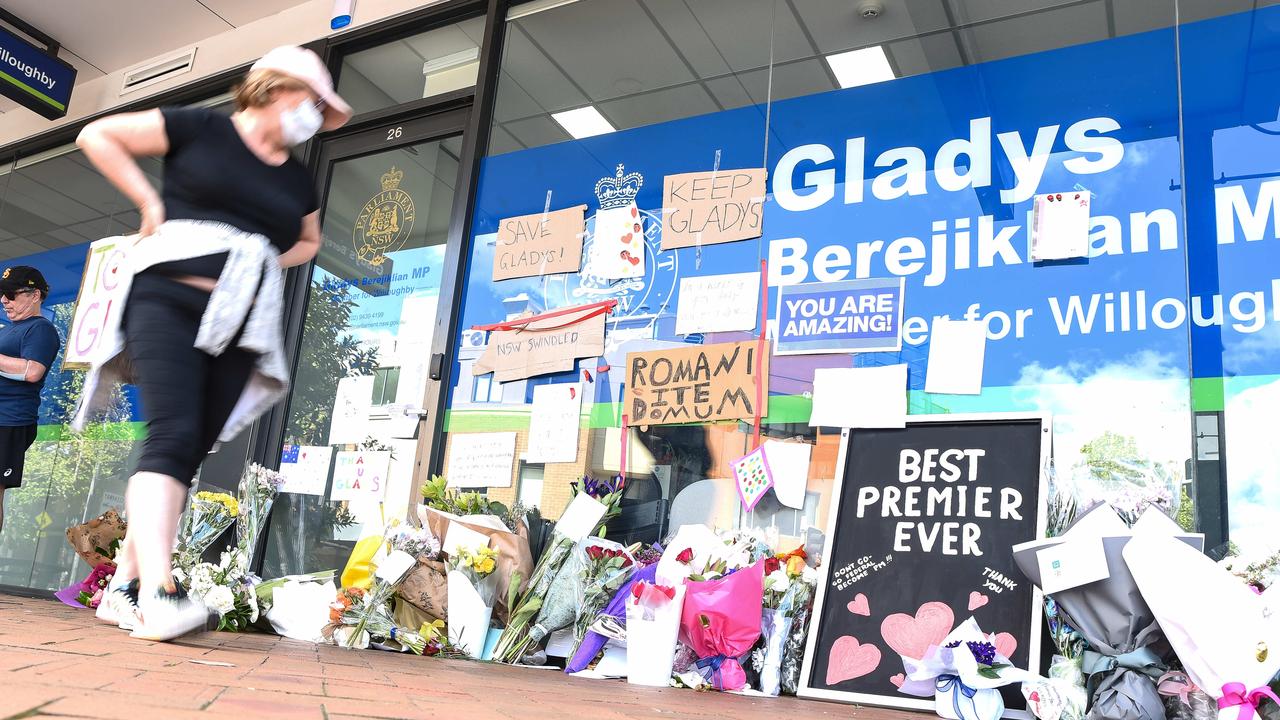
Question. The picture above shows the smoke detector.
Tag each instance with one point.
(870, 10)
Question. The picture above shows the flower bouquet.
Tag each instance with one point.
(226, 589)
(209, 516)
(653, 626)
(582, 518)
(96, 541)
(793, 647)
(607, 566)
(297, 606)
(1061, 695)
(720, 622)
(88, 592)
(472, 587)
(258, 490)
(362, 618)
(1226, 635)
(788, 583)
(963, 675)
(426, 588)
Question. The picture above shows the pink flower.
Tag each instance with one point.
(685, 557)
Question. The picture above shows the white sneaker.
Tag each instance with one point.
(119, 606)
(164, 616)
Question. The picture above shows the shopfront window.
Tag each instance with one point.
(420, 66)
(54, 204)
(908, 144)
(367, 334)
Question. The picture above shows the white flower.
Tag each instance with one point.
(220, 599)
(809, 575)
(778, 581)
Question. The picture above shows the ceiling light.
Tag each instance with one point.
(583, 122)
(861, 67)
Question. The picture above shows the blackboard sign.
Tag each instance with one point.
(922, 525)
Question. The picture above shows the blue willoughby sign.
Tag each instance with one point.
(33, 78)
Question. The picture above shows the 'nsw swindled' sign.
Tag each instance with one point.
(697, 383)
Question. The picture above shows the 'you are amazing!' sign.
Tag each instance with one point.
(921, 534)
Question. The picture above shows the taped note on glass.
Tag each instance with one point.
(1060, 226)
(867, 397)
(553, 424)
(481, 459)
(708, 208)
(718, 303)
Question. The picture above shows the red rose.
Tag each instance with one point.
(685, 556)
(593, 552)
(771, 565)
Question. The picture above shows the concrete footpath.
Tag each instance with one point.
(57, 661)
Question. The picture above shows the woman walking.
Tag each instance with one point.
(199, 332)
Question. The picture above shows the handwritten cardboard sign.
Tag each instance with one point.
(698, 383)
(708, 208)
(100, 292)
(360, 475)
(530, 351)
(540, 244)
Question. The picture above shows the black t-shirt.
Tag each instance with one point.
(210, 174)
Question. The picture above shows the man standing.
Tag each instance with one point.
(28, 346)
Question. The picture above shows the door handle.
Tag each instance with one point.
(437, 366)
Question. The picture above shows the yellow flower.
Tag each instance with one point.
(485, 566)
(223, 499)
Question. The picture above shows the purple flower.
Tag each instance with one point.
(955, 644)
(983, 652)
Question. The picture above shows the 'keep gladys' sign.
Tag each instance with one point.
(540, 244)
(529, 351)
(697, 383)
(707, 208)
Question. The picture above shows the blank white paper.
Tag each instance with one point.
(957, 351)
(870, 397)
(789, 465)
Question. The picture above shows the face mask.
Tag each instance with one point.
(301, 123)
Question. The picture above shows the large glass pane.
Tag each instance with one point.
(420, 66)
(907, 142)
(366, 338)
(1231, 179)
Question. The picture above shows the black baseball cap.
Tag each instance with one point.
(20, 277)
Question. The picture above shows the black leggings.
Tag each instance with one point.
(187, 394)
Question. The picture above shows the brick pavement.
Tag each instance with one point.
(57, 661)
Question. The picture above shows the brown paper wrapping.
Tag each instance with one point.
(100, 532)
(513, 556)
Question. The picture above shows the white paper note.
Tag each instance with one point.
(718, 303)
(617, 244)
(395, 565)
(553, 425)
(580, 518)
(870, 397)
(305, 469)
(1060, 226)
(789, 462)
(481, 459)
(350, 424)
(461, 536)
(360, 475)
(1072, 565)
(957, 350)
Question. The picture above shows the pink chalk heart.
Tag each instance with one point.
(911, 636)
(859, 606)
(634, 213)
(627, 238)
(1005, 644)
(849, 659)
(977, 600)
(898, 680)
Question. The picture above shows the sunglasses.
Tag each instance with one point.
(11, 295)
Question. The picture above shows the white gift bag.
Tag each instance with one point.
(651, 641)
(300, 609)
(469, 615)
(955, 701)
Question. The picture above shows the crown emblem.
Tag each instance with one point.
(619, 190)
(391, 179)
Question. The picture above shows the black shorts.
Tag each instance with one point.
(14, 442)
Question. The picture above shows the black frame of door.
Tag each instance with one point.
(468, 111)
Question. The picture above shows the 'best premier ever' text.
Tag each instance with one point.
(953, 492)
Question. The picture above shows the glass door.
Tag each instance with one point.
(356, 406)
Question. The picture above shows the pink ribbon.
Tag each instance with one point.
(1237, 695)
(1176, 684)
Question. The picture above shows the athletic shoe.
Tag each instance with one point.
(165, 616)
(119, 605)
